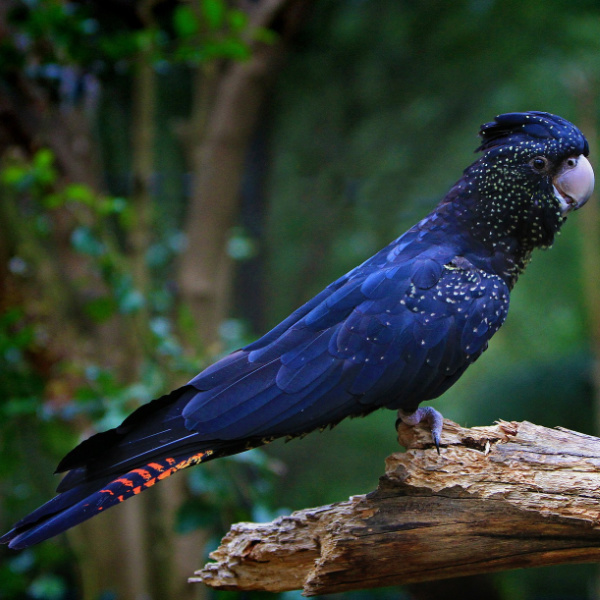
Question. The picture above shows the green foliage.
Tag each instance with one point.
(64, 34)
(210, 29)
(18, 383)
(34, 177)
(55, 42)
(101, 225)
(100, 230)
(26, 430)
(35, 575)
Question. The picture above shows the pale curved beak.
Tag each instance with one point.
(574, 183)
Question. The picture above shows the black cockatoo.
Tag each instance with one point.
(397, 330)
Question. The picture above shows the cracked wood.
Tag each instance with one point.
(508, 496)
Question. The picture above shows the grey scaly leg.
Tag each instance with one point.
(428, 414)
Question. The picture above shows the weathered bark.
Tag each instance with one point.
(509, 496)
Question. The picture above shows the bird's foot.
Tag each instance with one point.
(428, 414)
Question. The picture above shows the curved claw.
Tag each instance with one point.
(431, 416)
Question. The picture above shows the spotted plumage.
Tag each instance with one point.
(395, 331)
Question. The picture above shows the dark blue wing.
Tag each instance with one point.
(395, 331)
(391, 335)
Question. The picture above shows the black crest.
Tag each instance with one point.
(525, 127)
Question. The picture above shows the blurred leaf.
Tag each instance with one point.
(48, 587)
(131, 301)
(158, 255)
(54, 200)
(232, 48)
(119, 45)
(237, 20)
(84, 241)
(161, 300)
(233, 334)
(240, 246)
(113, 206)
(264, 35)
(145, 39)
(22, 562)
(43, 167)
(13, 175)
(22, 175)
(79, 192)
(16, 407)
(214, 12)
(43, 159)
(186, 323)
(101, 309)
(160, 326)
(185, 21)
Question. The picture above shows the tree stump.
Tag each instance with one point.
(508, 496)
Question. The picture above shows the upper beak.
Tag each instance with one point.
(574, 183)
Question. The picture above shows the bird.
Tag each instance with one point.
(397, 330)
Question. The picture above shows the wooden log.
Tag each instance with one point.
(503, 497)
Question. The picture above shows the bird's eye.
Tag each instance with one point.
(539, 163)
(571, 162)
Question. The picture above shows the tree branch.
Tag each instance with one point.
(226, 108)
(509, 496)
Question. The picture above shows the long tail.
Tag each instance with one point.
(109, 467)
(86, 500)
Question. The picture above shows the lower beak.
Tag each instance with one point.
(574, 183)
